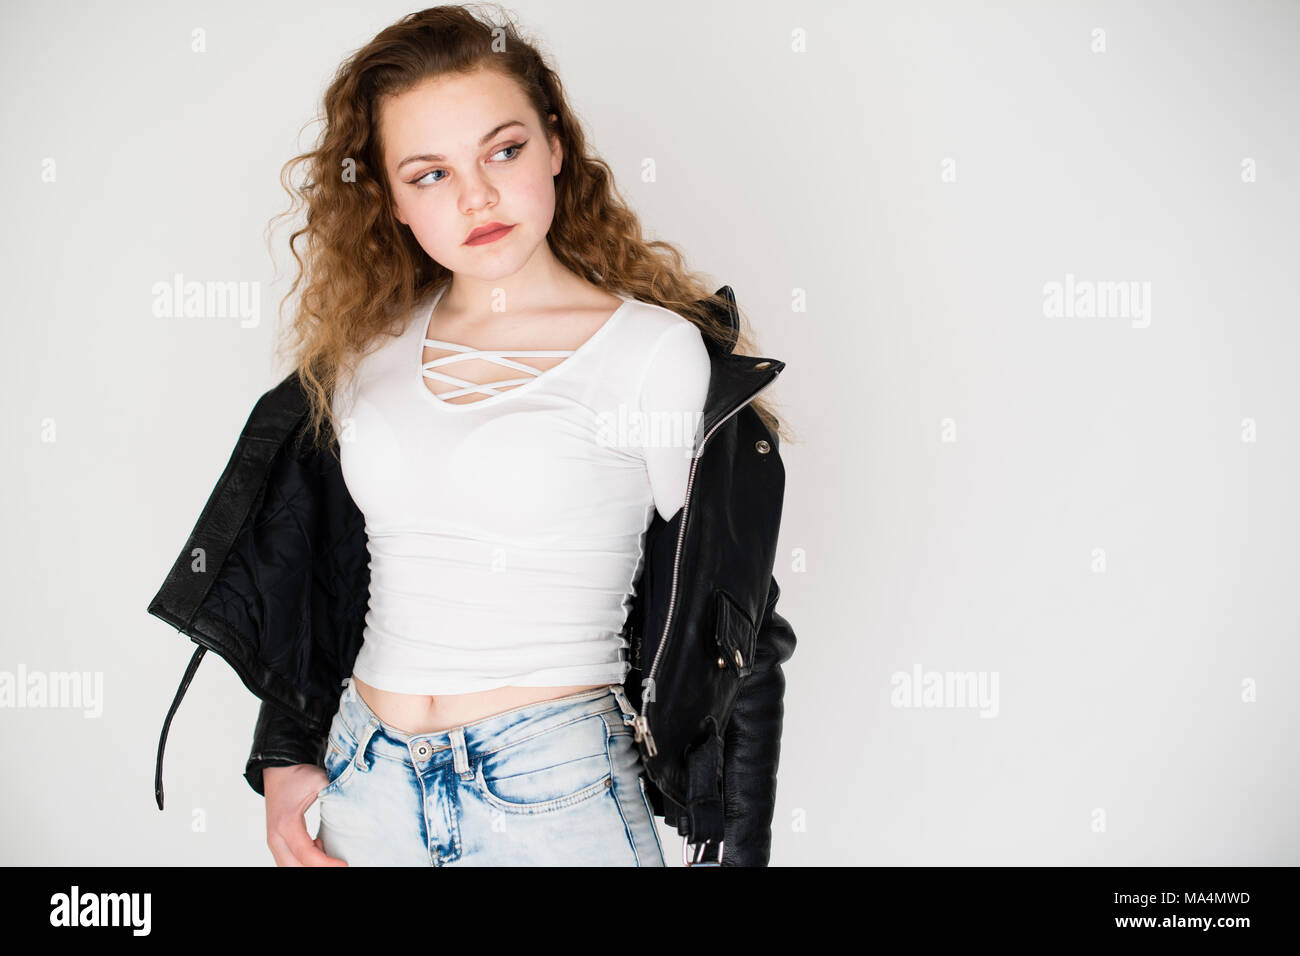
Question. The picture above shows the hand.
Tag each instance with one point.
(289, 792)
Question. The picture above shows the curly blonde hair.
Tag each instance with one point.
(362, 269)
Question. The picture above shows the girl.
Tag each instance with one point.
(518, 384)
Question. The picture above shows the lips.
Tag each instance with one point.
(487, 233)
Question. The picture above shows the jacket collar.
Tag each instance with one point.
(735, 379)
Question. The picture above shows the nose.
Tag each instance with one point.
(477, 193)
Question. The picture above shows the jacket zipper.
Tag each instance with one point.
(641, 724)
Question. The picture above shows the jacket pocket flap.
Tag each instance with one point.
(735, 633)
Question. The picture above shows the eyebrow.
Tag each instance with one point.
(439, 158)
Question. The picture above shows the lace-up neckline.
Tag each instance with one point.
(492, 355)
(501, 389)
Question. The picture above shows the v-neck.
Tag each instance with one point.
(505, 396)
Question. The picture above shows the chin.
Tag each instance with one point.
(490, 268)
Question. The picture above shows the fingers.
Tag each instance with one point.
(312, 855)
(286, 818)
(305, 850)
(280, 851)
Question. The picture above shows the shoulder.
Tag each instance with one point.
(673, 362)
(655, 329)
(649, 337)
(648, 323)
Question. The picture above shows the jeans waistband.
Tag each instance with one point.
(477, 737)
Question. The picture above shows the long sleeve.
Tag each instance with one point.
(752, 747)
(281, 740)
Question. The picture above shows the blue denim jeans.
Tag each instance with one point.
(554, 783)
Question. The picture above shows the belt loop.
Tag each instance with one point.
(350, 714)
(625, 705)
(460, 755)
(363, 741)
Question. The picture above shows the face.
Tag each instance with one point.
(465, 151)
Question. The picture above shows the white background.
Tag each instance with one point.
(1123, 732)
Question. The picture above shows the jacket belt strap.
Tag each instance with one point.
(176, 702)
(702, 818)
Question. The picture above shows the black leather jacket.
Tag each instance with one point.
(275, 579)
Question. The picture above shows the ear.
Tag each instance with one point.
(557, 150)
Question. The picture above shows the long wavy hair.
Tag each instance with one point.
(361, 268)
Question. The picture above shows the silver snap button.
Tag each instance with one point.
(762, 446)
(422, 750)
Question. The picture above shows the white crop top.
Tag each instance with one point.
(506, 533)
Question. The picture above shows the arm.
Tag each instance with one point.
(752, 746)
(280, 740)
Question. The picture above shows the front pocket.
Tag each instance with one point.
(549, 771)
(340, 752)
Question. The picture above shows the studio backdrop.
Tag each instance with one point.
(1031, 268)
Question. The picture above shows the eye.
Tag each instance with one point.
(517, 147)
(424, 180)
(421, 180)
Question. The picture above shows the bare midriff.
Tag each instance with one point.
(425, 714)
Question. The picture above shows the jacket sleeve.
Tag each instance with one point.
(752, 745)
(281, 740)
